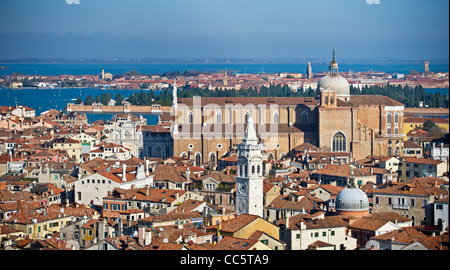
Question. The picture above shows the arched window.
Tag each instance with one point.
(212, 157)
(219, 117)
(190, 118)
(270, 156)
(389, 123)
(304, 117)
(198, 159)
(253, 169)
(396, 122)
(258, 169)
(276, 117)
(339, 142)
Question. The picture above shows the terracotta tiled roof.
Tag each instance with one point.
(368, 224)
(154, 194)
(222, 101)
(426, 186)
(314, 223)
(390, 216)
(421, 120)
(116, 178)
(319, 244)
(356, 100)
(235, 224)
(306, 146)
(343, 170)
(423, 161)
(284, 202)
(167, 173)
(188, 206)
(410, 144)
(232, 243)
(409, 235)
(334, 190)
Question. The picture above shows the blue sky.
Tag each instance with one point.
(224, 28)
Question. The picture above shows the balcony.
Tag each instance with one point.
(393, 135)
(400, 206)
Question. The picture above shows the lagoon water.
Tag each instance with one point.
(45, 99)
(92, 68)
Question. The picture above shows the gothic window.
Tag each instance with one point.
(198, 159)
(218, 117)
(212, 157)
(190, 118)
(396, 122)
(304, 117)
(389, 123)
(276, 117)
(339, 142)
(270, 156)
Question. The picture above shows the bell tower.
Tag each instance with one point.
(249, 180)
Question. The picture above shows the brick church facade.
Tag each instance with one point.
(206, 129)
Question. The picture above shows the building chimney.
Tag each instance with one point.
(124, 172)
(188, 174)
(147, 190)
(120, 228)
(101, 229)
(147, 162)
(287, 215)
(141, 235)
(144, 236)
(179, 225)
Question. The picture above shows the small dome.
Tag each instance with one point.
(352, 199)
(335, 83)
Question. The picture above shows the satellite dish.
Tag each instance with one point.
(161, 229)
(166, 240)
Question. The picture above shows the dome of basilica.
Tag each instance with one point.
(333, 81)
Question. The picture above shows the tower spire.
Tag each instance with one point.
(333, 68)
(250, 133)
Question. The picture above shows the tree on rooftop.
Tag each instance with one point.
(428, 125)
